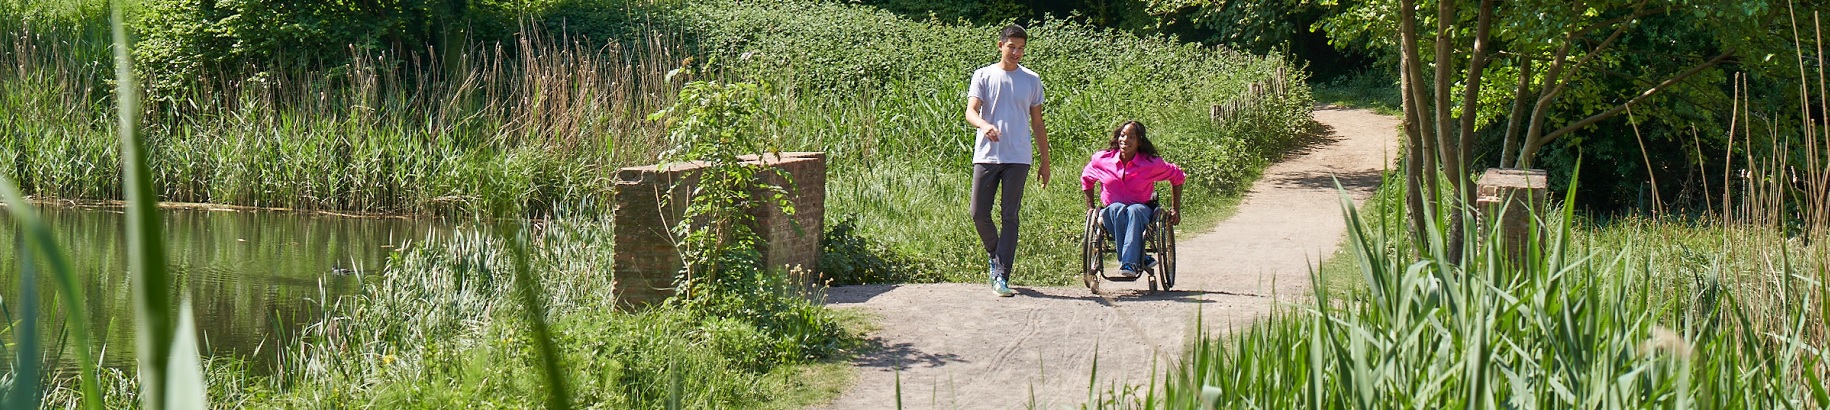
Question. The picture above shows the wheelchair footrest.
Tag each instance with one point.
(1115, 278)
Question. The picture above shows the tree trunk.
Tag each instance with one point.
(1518, 114)
(1418, 170)
(1448, 147)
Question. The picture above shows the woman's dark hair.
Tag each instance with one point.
(1144, 146)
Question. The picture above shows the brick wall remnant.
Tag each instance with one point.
(645, 260)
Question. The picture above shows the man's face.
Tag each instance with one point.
(1012, 49)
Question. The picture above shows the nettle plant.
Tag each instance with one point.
(714, 124)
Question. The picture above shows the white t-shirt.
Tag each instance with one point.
(1005, 99)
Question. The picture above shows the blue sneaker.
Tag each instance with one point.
(1002, 288)
(1149, 263)
(993, 263)
(1128, 271)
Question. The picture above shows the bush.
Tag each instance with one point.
(883, 95)
(848, 258)
(1640, 314)
(437, 329)
(184, 40)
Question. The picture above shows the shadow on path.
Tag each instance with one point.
(1326, 180)
(901, 356)
(854, 293)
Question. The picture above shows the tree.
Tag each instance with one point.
(1443, 75)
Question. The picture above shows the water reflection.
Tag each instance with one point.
(255, 278)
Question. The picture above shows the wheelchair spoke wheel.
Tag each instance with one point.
(1090, 256)
(1166, 257)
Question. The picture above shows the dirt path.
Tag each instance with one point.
(959, 346)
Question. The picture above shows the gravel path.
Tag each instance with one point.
(956, 345)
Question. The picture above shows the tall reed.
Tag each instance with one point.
(1776, 179)
(546, 118)
(533, 123)
(1635, 315)
(167, 350)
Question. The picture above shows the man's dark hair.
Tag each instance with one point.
(1012, 31)
(1144, 146)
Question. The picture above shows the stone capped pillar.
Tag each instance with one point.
(1512, 201)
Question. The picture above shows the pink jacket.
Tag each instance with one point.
(1128, 182)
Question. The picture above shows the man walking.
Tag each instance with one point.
(1004, 101)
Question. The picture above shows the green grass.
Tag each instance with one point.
(1384, 214)
(885, 103)
(437, 328)
(367, 141)
(167, 357)
(1633, 313)
(1374, 89)
(889, 111)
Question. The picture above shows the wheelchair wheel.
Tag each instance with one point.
(1166, 256)
(1091, 260)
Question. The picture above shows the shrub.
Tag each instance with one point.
(848, 258)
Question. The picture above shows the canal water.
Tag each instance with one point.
(255, 278)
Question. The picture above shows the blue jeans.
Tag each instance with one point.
(1126, 223)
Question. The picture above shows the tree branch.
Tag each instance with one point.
(1518, 113)
(1445, 146)
(1477, 68)
(1554, 82)
(1532, 146)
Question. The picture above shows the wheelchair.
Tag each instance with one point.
(1159, 241)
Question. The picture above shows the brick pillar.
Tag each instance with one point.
(791, 241)
(1512, 201)
(645, 260)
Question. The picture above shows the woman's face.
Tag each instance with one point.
(1128, 141)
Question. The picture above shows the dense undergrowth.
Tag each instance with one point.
(544, 119)
(1631, 312)
(436, 329)
(539, 121)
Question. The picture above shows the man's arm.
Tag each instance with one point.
(1041, 134)
(978, 121)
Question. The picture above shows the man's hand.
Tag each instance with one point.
(1175, 217)
(1042, 174)
(991, 133)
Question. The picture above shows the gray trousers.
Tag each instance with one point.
(1000, 244)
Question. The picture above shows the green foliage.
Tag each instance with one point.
(1628, 315)
(714, 124)
(1679, 126)
(883, 96)
(371, 139)
(167, 347)
(758, 315)
(435, 329)
(186, 39)
(884, 102)
(1259, 26)
(1374, 89)
(848, 258)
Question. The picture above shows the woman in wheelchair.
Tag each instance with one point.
(1129, 169)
